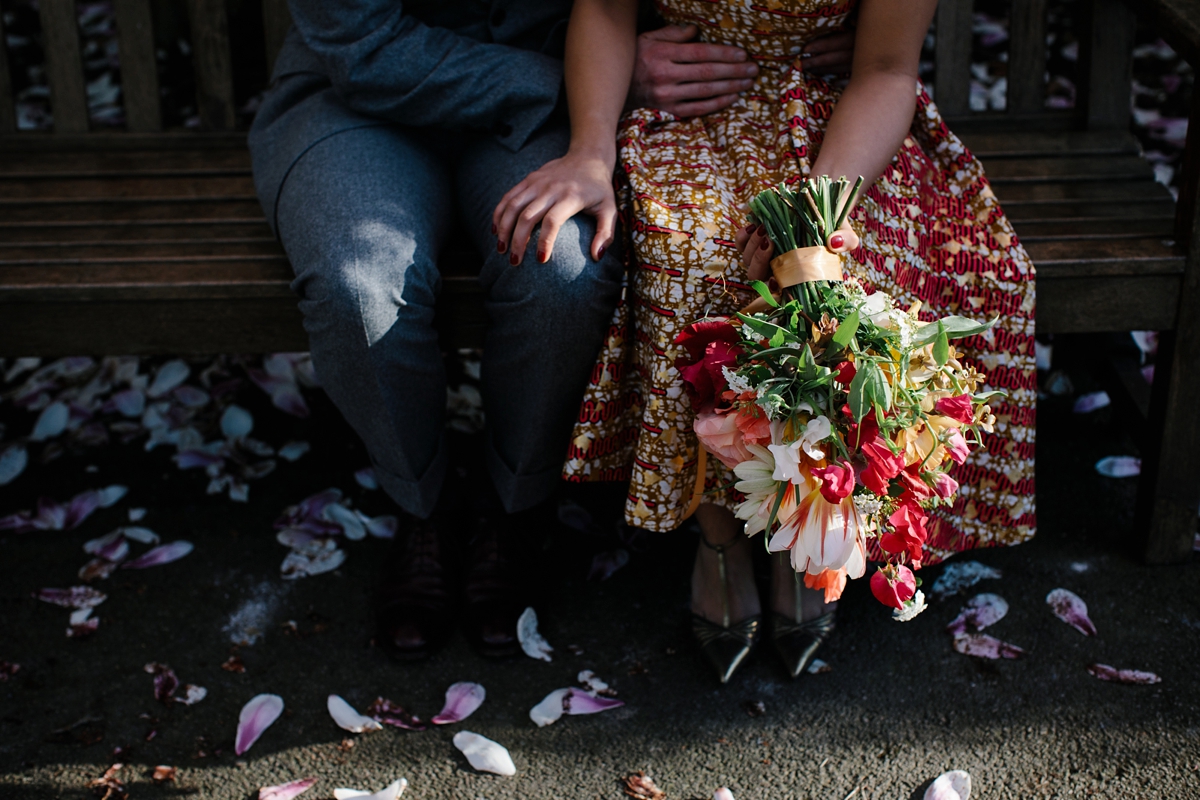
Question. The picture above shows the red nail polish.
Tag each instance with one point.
(762, 230)
(836, 241)
(542, 257)
(765, 244)
(512, 259)
(750, 228)
(501, 247)
(600, 252)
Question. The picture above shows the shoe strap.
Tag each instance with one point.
(720, 549)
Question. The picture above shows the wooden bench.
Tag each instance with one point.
(151, 241)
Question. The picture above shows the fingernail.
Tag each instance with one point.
(762, 230)
(765, 244)
(513, 259)
(600, 252)
(501, 247)
(836, 241)
(750, 228)
(542, 257)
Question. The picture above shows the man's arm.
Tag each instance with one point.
(385, 63)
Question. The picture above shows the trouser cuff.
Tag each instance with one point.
(417, 497)
(520, 492)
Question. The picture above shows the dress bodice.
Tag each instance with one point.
(771, 31)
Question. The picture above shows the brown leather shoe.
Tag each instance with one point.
(414, 607)
(496, 589)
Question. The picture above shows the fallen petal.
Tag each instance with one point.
(484, 754)
(954, 785)
(911, 608)
(286, 791)
(531, 641)
(392, 792)
(97, 569)
(192, 694)
(1070, 608)
(1091, 401)
(1119, 466)
(579, 702)
(980, 611)
(351, 525)
(817, 667)
(287, 398)
(169, 375)
(236, 422)
(983, 646)
(163, 554)
(299, 565)
(382, 527)
(143, 535)
(112, 546)
(722, 794)
(389, 713)
(85, 628)
(13, 461)
(590, 681)
(75, 597)
(641, 786)
(165, 681)
(961, 575)
(293, 450)
(1106, 673)
(129, 403)
(137, 514)
(462, 699)
(256, 717)
(347, 718)
(80, 507)
(551, 708)
(79, 616)
(163, 774)
(7, 669)
(195, 459)
(51, 422)
(365, 478)
(110, 495)
(606, 563)
(191, 396)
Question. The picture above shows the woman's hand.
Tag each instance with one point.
(561, 189)
(756, 250)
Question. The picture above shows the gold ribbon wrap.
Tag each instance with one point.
(802, 265)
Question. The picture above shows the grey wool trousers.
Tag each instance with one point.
(363, 214)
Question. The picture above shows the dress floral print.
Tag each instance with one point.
(932, 232)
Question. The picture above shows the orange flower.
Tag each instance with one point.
(833, 581)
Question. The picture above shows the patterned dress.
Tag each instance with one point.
(931, 230)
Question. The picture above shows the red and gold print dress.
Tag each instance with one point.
(931, 230)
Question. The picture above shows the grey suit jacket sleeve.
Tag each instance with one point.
(385, 63)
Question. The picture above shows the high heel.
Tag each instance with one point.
(726, 645)
(796, 641)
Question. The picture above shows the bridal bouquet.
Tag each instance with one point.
(839, 413)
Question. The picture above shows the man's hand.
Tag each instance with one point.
(686, 78)
(830, 54)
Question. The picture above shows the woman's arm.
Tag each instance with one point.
(601, 42)
(872, 117)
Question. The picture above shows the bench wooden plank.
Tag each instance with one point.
(64, 65)
(992, 146)
(952, 58)
(1062, 170)
(1110, 64)
(1026, 57)
(99, 234)
(212, 63)
(55, 253)
(1058, 210)
(164, 208)
(126, 188)
(40, 165)
(8, 105)
(139, 65)
(1131, 192)
(1107, 303)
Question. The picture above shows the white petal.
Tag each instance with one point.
(109, 495)
(137, 514)
(347, 718)
(954, 785)
(51, 422)
(531, 641)
(236, 422)
(462, 700)
(143, 535)
(293, 450)
(163, 554)
(352, 526)
(1119, 466)
(366, 478)
(257, 715)
(13, 461)
(169, 375)
(722, 794)
(484, 754)
(961, 575)
(591, 681)
(392, 792)
(550, 709)
(383, 527)
(299, 565)
(192, 694)
(130, 403)
(75, 597)
(1091, 401)
(80, 616)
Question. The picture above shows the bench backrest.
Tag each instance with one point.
(1102, 99)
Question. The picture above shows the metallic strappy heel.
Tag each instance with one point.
(797, 642)
(726, 645)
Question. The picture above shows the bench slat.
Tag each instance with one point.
(1107, 303)
(1132, 192)
(139, 66)
(1110, 68)
(212, 62)
(8, 103)
(79, 164)
(1099, 228)
(1023, 212)
(952, 65)
(1133, 256)
(128, 188)
(992, 146)
(91, 252)
(133, 231)
(164, 208)
(1056, 168)
(1026, 57)
(64, 65)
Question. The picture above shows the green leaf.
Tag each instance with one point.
(955, 327)
(762, 327)
(765, 293)
(941, 346)
(859, 404)
(778, 338)
(845, 332)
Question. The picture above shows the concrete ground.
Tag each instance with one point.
(898, 708)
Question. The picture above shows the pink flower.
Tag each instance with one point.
(957, 408)
(893, 585)
(719, 433)
(956, 446)
(754, 425)
(837, 481)
(945, 486)
(882, 465)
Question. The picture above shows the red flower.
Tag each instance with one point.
(908, 531)
(865, 431)
(957, 408)
(893, 585)
(914, 485)
(945, 486)
(837, 481)
(754, 425)
(882, 465)
(845, 372)
(709, 345)
(956, 446)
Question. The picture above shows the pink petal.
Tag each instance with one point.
(1106, 673)
(191, 459)
(389, 713)
(955, 785)
(97, 568)
(461, 701)
(165, 681)
(606, 563)
(81, 507)
(50, 515)
(257, 715)
(1146, 341)
(1091, 401)
(1119, 466)
(111, 547)
(980, 611)
(288, 398)
(983, 646)
(347, 718)
(1148, 373)
(75, 597)
(312, 561)
(163, 554)
(722, 794)
(578, 701)
(1071, 609)
(286, 791)
(382, 527)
